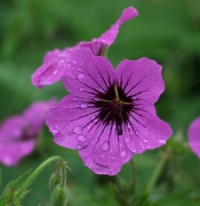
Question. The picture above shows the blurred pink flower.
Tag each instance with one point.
(18, 133)
(194, 136)
(55, 62)
(109, 114)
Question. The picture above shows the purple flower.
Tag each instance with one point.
(194, 136)
(18, 133)
(55, 62)
(109, 114)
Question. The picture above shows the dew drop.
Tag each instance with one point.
(94, 119)
(77, 129)
(123, 154)
(145, 140)
(79, 147)
(81, 138)
(136, 132)
(54, 131)
(83, 106)
(105, 146)
(161, 141)
(127, 140)
(55, 72)
(80, 76)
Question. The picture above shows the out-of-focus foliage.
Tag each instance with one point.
(167, 31)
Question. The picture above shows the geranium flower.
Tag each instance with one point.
(18, 134)
(109, 114)
(194, 136)
(56, 62)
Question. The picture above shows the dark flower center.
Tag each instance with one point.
(114, 107)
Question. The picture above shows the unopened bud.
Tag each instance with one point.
(59, 196)
(55, 179)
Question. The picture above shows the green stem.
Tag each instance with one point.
(35, 173)
(16, 201)
(157, 172)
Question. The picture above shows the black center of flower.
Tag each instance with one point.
(114, 107)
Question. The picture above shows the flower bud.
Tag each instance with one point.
(55, 179)
(59, 196)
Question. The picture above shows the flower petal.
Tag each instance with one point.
(52, 69)
(194, 136)
(109, 36)
(98, 45)
(12, 149)
(141, 79)
(12, 128)
(36, 113)
(145, 130)
(87, 74)
(75, 124)
(16, 151)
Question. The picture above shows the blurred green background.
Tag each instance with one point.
(166, 31)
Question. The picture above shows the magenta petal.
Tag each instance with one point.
(36, 113)
(141, 78)
(145, 130)
(74, 123)
(109, 36)
(69, 121)
(87, 73)
(11, 129)
(16, 151)
(98, 45)
(104, 155)
(194, 136)
(11, 148)
(52, 69)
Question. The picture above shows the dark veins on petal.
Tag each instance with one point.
(114, 106)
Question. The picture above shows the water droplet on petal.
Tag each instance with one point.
(161, 141)
(83, 106)
(127, 140)
(79, 147)
(77, 129)
(145, 140)
(55, 72)
(54, 131)
(80, 76)
(81, 138)
(123, 154)
(105, 146)
(136, 132)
